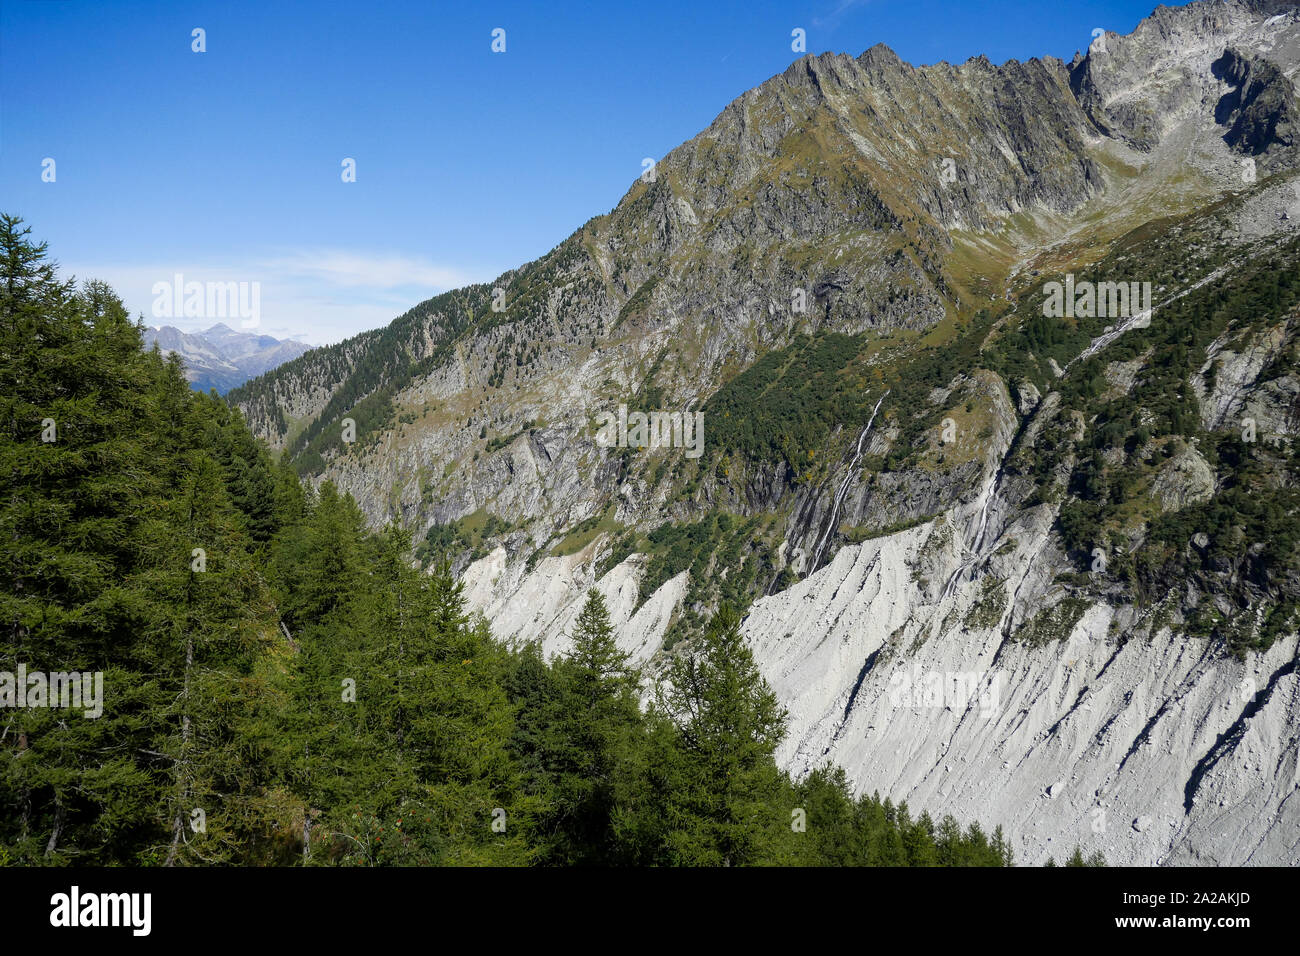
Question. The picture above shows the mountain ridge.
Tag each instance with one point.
(220, 357)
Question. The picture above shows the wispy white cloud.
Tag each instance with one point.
(832, 20)
(355, 270)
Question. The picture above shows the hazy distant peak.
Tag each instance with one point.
(222, 358)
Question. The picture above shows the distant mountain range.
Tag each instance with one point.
(222, 358)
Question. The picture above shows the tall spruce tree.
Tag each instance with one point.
(109, 485)
(594, 724)
(729, 724)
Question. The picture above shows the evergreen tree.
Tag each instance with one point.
(1001, 847)
(594, 725)
(110, 485)
(460, 730)
(729, 725)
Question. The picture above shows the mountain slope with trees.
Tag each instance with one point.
(282, 686)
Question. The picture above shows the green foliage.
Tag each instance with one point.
(727, 558)
(503, 441)
(636, 305)
(1076, 858)
(584, 749)
(1052, 624)
(587, 531)
(101, 526)
(784, 406)
(371, 368)
(675, 548)
(990, 606)
(469, 534)
(1252, 534)
(729, 721)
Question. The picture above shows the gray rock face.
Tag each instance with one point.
(1232, 57)
(905, 685)
(1262, 109)
(1252, 385)
(1186, 479)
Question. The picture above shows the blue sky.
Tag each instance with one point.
(226, 165)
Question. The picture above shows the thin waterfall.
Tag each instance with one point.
(844, 487)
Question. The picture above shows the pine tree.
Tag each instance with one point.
(202, 638)
(829, 836)
(460, 733)
(1001, 847)
(601, 671)
(918, 842)
(325, 756)
(729, 724)
(594, 724)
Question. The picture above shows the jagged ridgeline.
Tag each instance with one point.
(996, 366)
(274, 683)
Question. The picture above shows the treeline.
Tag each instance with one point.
(370, 368)
(282, 686)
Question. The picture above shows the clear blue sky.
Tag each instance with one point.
(226, 164)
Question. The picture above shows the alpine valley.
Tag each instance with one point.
(1034, 569)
